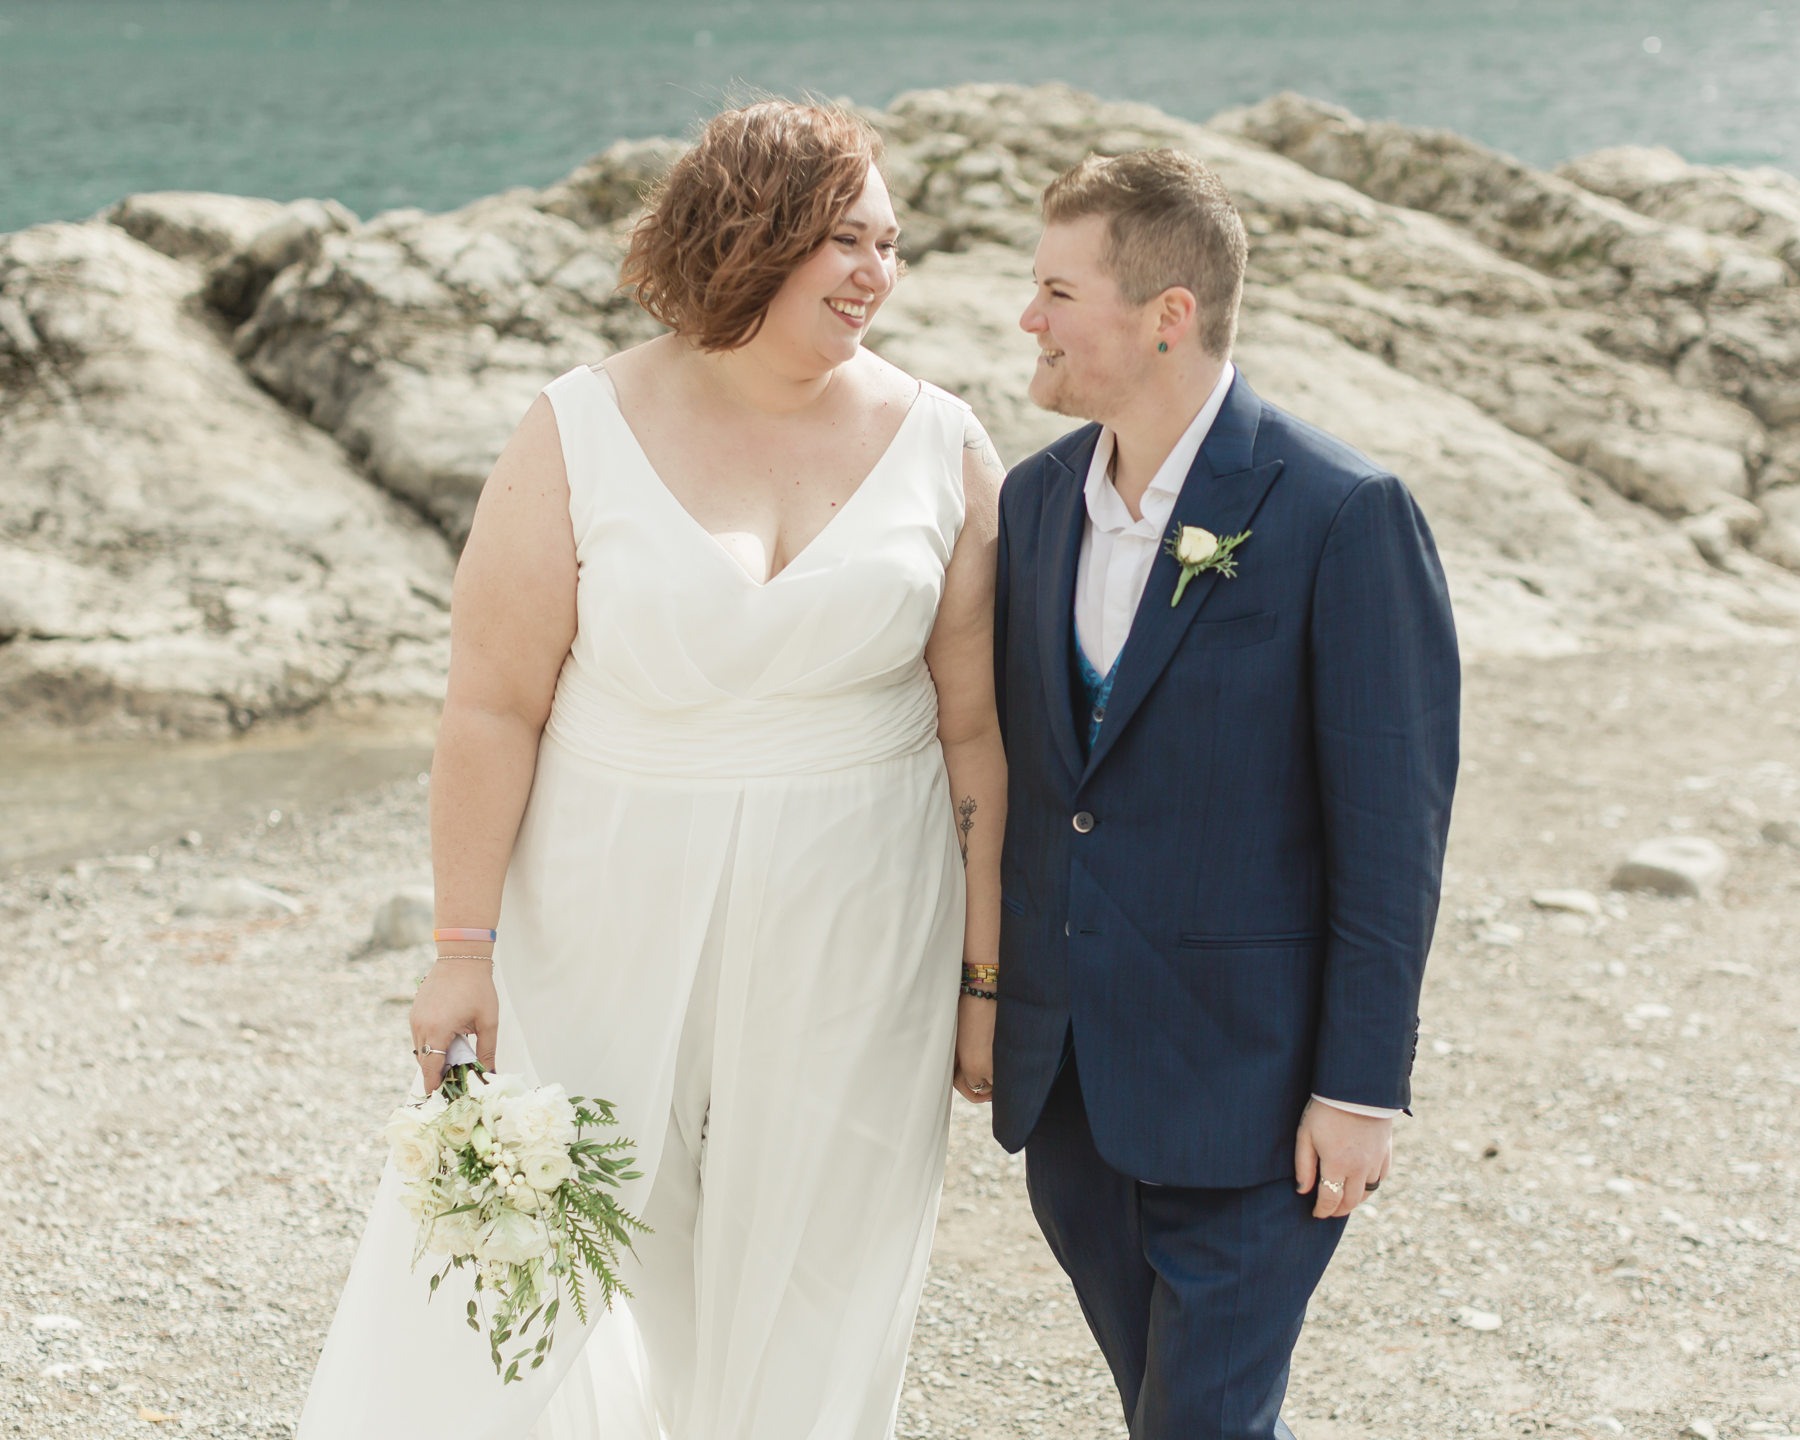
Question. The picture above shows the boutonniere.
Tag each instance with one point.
(1200, 550)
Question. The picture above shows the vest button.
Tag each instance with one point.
(1099, 713)
(1083, 822)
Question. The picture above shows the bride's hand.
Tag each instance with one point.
(457, 998)
(975, 1048)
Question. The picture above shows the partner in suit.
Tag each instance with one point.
(1230, 789)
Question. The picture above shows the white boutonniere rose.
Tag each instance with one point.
(1198, 550)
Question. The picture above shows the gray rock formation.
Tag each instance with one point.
(178, 553)
(419, 340)
(1672, 368)
(1591, 379)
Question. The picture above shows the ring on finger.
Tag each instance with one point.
(1336, 1187)
(1371, 1186)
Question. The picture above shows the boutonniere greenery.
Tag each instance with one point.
(1199, 551)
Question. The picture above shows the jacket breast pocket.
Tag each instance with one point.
(1236, 634)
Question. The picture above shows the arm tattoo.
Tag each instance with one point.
(965, 822)
(976, 439)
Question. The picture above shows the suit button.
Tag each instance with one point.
(1065, 927)
(1083, 822)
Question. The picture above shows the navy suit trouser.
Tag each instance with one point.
(1196, 1296)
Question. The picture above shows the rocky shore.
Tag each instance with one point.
(240, 440)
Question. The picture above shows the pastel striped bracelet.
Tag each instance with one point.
(490, 936)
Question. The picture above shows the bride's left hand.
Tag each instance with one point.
(975, 1048)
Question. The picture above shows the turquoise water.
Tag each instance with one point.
(433, 102)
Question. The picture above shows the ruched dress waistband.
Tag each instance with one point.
(733, 739)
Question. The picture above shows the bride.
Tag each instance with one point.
(719, 762)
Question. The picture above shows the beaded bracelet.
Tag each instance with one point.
(488, 935)
(488, 958)
(978, 993)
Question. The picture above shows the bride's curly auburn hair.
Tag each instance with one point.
(736, 215)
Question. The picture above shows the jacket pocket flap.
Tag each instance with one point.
(1232, 634)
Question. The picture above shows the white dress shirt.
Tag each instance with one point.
(1117, 553)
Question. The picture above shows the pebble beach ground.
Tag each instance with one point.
(1592, 1228)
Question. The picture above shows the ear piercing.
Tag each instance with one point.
(1162, 347)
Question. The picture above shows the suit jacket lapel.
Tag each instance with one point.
(1222, 492)
(1059, 553)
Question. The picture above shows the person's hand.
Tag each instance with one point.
(1343, 1154)
(975, 1048)
(457, 998)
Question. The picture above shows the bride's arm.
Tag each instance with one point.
(961, 656)
(512, 620)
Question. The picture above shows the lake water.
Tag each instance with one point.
(433, 102)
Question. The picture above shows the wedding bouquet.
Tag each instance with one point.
(499, 1176)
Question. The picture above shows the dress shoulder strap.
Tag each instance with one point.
(587, 415)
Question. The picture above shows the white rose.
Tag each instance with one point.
(547, 1166)
(459, 1122)
(414, 1147)
(1195, 545)
(416, 1200)
(511, 1238)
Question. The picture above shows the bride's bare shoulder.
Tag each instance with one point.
(882, 382)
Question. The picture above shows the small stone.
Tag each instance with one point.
(1500, 933)
(237, 896)
(1704, 1429)
(1472, 1319)
(1576, 902)
(55, 1322)
(403, 919)
(1651, 1010)
(1674, 865)
(1782, 832)
(1621, 1186)
(85, 869)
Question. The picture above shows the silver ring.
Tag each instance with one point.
(981, 1087)
(1336, 1187)
(429, 1051)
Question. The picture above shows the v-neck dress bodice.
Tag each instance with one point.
(684, 665)
(735, 910)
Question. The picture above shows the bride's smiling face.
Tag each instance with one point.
(823, 310)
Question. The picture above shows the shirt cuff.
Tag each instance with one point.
(1374, 1112)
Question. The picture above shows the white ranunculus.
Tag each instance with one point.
(547, 1166)
(497, 1090)
(511, 1238)
(459, 1122)
(1195, 545)
(414, 1146)
(416, 1200)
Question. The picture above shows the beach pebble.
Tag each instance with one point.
(237, 896)
(403, 919)
(1674, 865)
(1704, 1429)
(87, 869)
(1472, 1319)
(1782, 832)
(1500, 933)
(1576, 902)
(55, 1322)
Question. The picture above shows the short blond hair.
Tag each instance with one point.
(1171, 223)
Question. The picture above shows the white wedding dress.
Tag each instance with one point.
(735, 909)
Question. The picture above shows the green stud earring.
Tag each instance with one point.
(1162, 347)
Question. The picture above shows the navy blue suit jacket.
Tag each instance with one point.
(1246, 920)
